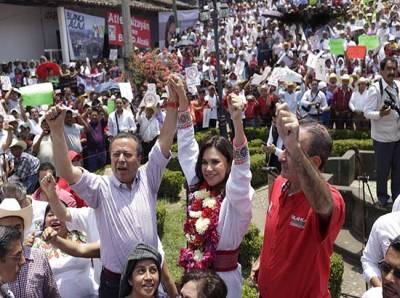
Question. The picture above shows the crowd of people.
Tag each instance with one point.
(66, 231)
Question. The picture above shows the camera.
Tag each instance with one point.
(390, 104)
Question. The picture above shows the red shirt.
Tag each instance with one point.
(251, 109)
(295, 256)
(340, 100)
(197, 108)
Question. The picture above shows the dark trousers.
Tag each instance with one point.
(109, 287)
(341, 118)
(213, 123)
(146, 147)
(387, 162)
(96, 159)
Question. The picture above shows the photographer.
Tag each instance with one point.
(382, 109)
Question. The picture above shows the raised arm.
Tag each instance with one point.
(72, 248)
(48, 185)
(168, 130)
(55, 118)
(311, 181)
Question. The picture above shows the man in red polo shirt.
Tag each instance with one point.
(304, 216)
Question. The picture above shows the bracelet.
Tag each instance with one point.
(172, 104)
(184, 120)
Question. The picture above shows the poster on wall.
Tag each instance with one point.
(167, 24)
(141, 34)
(85, 35)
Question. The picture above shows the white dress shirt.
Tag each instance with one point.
(385, 228)
(149, 128)
(126, 122)
(291, 100)
(357, 101)
(310, 98)
(383, 129)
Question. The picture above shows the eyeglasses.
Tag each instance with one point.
(387, 268)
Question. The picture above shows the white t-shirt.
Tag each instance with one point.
(35, 127)
(373, 293)
(39, 209)
(45, 153)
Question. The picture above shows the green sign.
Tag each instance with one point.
(366, 2)
(312, 2)
(336, 46)
(372, 42)
(37, 95)
(110, 105)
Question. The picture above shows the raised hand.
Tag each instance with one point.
(288, 126)
(177, 85)
(48, 184)
(55, 117)
(235, 107)
(49, 235)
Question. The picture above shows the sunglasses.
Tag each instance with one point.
(387, 268)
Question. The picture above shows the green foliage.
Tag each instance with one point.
(203, 136)
(255, 146)
(171, 185)
(174, 165)
(250, 249)
(336, 275)
(344, 134)
(174, 148)
(249, 289)
(253, 133)
(161, 214)
(341, 146)
(257, 162)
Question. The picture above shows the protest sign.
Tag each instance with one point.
(192, 76)
(36, 95)
(285, 75)
(126, 91)
(113, 54)
(210, 45)
(320, 70)
(5, 83)
(110, 105)
(336, 46)
(370, 41)
(312, 60)
(312, 2)
(140, 28)
(150, 99)
(206, 117)
(85, 35)
(258, 79)
(356, 52)
(151, 88)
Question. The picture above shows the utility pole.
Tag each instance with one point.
(221, 112)
(127, 31)
(175, 16)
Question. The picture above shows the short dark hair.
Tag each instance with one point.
(47, 166)
(386, 60)
(128, 135)
(8, 235)
(320, 142)
(209, 284)
(395, 243)
(222, 145)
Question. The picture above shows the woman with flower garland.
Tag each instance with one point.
(219, 210)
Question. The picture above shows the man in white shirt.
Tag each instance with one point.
(72, 133)
(34, 122)
(289, 96)
(314, 101)
(149, 130)
(385, 228)
(385, 129)
(389, 268)
(357, 103)
(120, 120)
(212, 101)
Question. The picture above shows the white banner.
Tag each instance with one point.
(192, 76)
(126, 91)
(320, 70)
(206, 117)
(285, 75)
(85, 35)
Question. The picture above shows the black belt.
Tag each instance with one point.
(111, 275)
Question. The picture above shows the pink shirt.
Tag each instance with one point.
(63, 195)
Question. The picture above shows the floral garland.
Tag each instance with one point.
(201, 231)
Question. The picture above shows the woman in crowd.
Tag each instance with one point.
(203, 284)
(142, 273)
(219, 210)
(74, 276)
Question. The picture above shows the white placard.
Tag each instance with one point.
(5, 83)
(206, 117)
(151, 88)
(312, 60)
(320, 70)
(258, 79)
(192, 76)
(113, 54)
(126, 91)
(286, 75)
(150, 99)
(210, 45)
